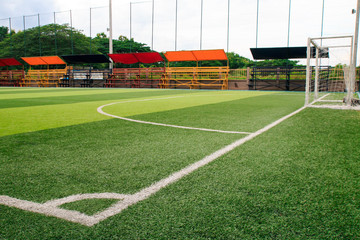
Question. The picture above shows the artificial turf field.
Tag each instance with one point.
(298, 180)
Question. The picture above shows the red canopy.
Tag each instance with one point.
(130, 58)
(9, 62)
(149, 57)
(125, 58)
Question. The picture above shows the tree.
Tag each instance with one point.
(4, 31)
(237, 61)
(277, 63)
(51, 39)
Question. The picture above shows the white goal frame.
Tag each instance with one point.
(319, 49)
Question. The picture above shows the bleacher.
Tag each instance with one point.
(48, 76)
(10, 77)
(196, 77)
(140, 77)
(82, 73)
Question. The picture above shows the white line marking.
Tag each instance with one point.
(50, 208)
(328, 106)
(100, 110)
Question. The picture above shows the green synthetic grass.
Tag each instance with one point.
(89, 206)
(300, 180)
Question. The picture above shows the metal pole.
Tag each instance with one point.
(316, 83)
(308, 74)
(72, 40)
(356, 40)
(201, 22)
(24, 37)
(322, 18)
(110, 33)
(130, 22)
(152, 27)
(55, 33)
(228, 27)
(288, 39)
(39, 34)
(176, 17)
(11, 46)
(257, 23)
(90, 30)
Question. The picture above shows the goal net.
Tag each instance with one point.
(330, 73)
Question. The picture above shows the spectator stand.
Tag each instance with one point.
(196, 77)
(288, 78)
(9, 75)
(140, 77)
(37, 76)
(83, 74)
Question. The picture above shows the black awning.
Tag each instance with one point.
(285, 53)
(86, 58)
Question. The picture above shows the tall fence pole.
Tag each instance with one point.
(288, 37)
(24, 36)
(110, 33)
(356, 40)
(176, 18)
(201, 22)
(90, 30)
(56, 52)
(257, 23)
(11, 45)
(152, 25)
(39, 34)
(228, 27)
(71, 37)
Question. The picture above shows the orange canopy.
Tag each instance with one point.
(48, 60)
(210, 55)
(198, 55)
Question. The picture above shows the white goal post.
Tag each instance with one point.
(330, 73)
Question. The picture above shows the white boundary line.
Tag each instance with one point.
(51, 208)
(336, 107)
(100, 110)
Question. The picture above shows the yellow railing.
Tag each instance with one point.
(43, 78)
(195, 77)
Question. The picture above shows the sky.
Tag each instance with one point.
(273, 18)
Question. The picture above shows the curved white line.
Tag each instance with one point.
(100, 110)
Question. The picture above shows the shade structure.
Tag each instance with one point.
(197, 55)
(210, 55)
(131, 58)
(284, 53)
(47, 60)
(85, 58)
(180, 56)
(125, 58)
(9, 62)
(149, 57)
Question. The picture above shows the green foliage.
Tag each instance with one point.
(55, 39)
(40, 41)
(276, 63)
(237, 61)
(4, 31)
